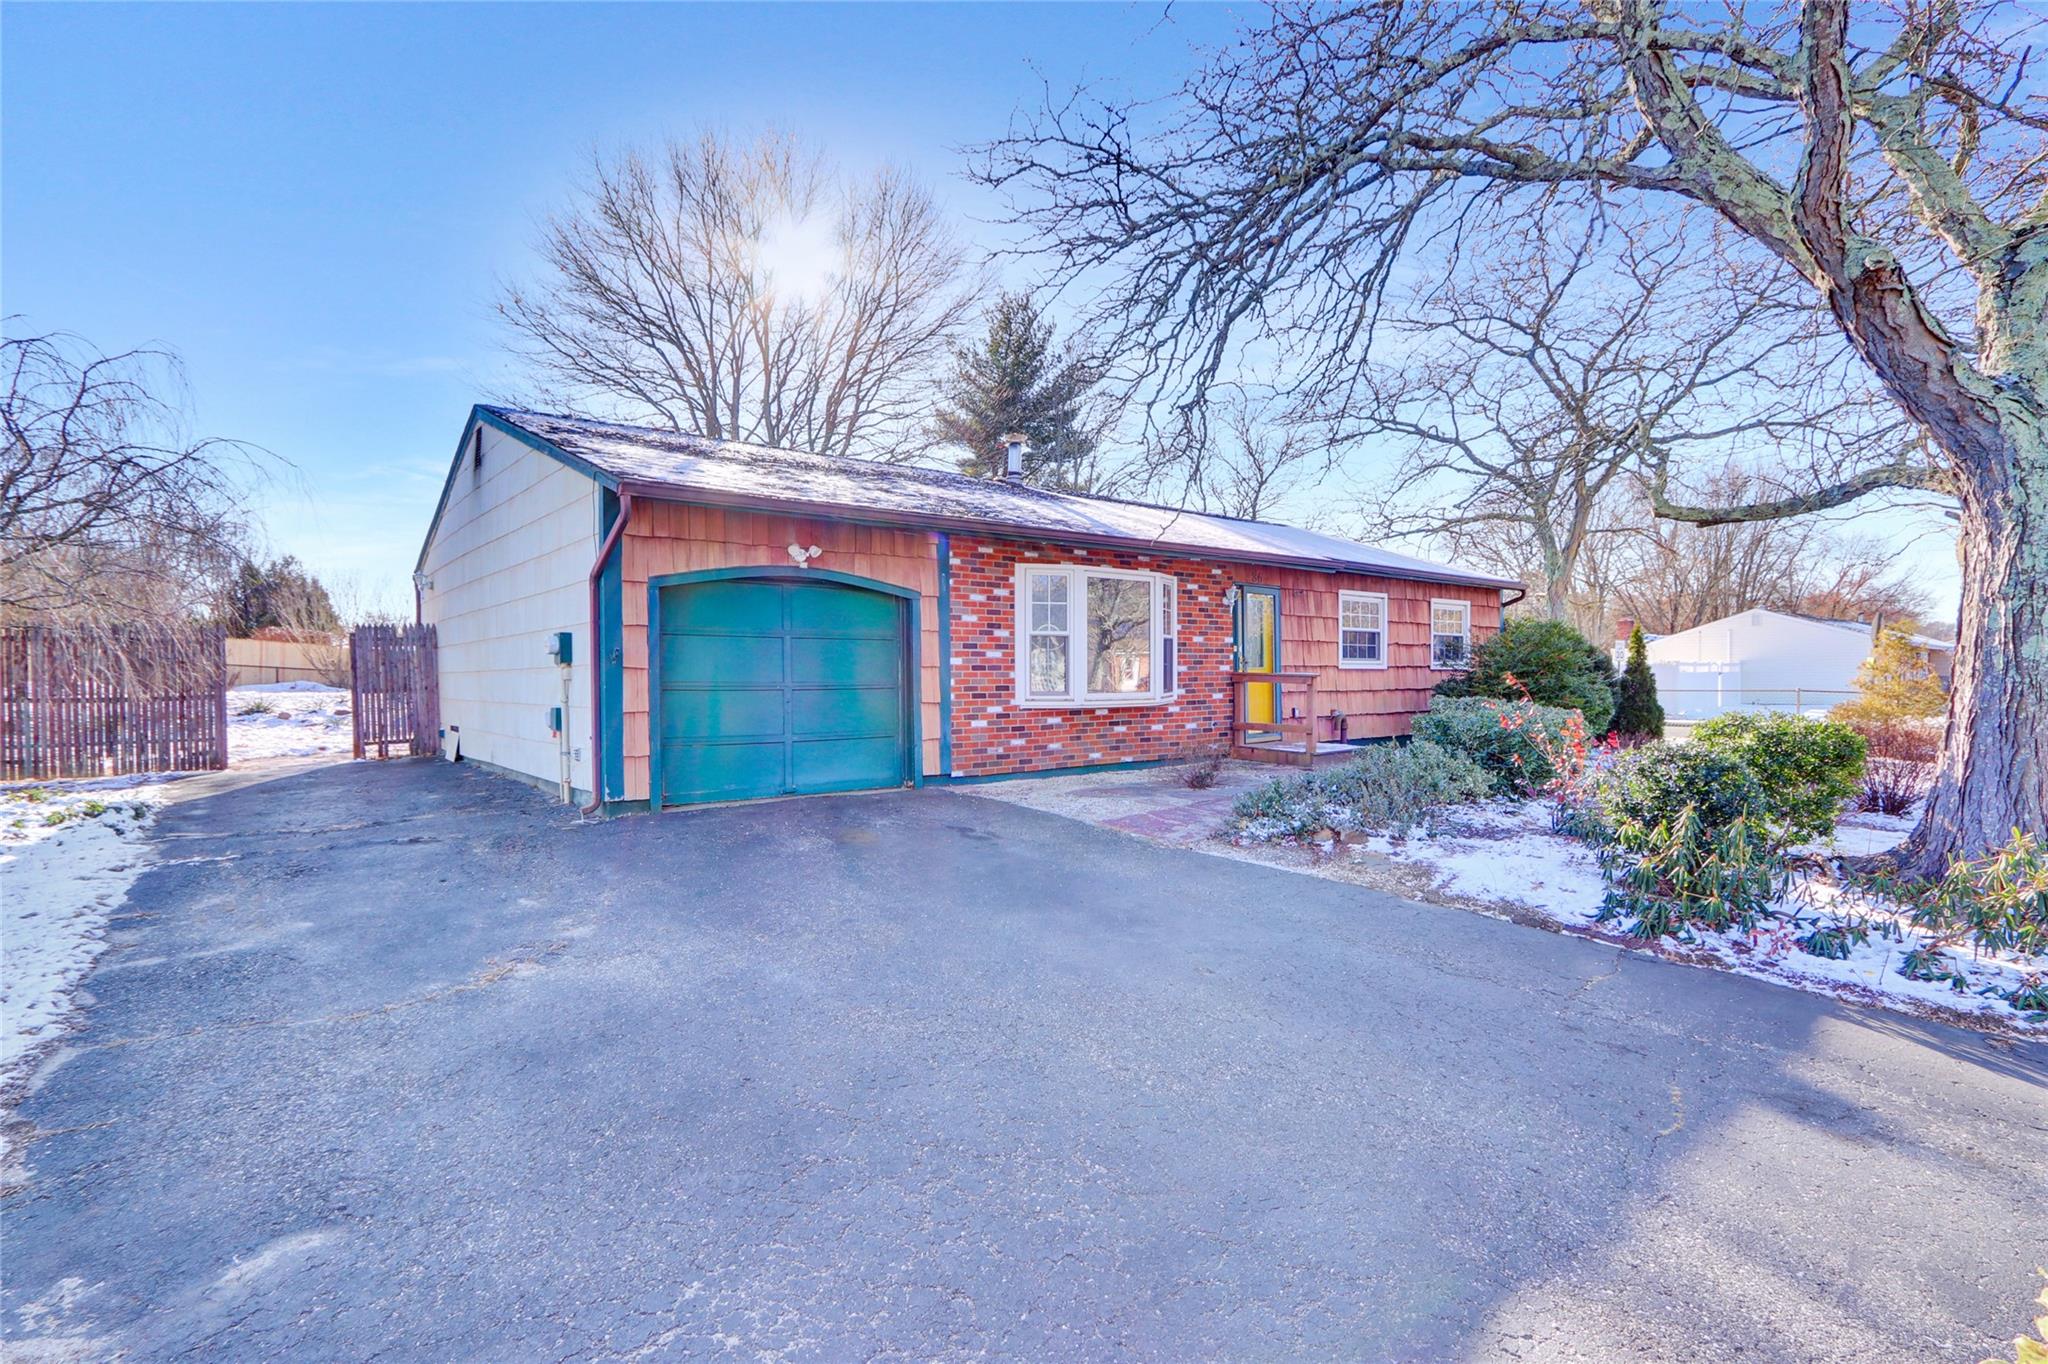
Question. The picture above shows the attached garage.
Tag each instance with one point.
(779, 682)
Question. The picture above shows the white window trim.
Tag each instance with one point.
(1379, 663)
(1077, 625)
(1464, 608)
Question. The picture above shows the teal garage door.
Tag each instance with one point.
(771, 688)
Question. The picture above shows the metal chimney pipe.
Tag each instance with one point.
(1014, 445)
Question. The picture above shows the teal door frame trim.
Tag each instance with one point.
(913, 693)
(1244, 593)
(944, 549)
(1237, 625)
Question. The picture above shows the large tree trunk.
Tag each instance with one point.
(1557, 597)
(1993, 776)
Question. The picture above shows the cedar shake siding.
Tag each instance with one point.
(669, 537)
(1381, 702)
(994, 735)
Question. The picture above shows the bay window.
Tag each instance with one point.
(1450, 635)
(1091, 635)
(1361, 630)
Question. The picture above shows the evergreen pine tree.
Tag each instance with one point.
(1641, 714)
(1015, 379)
(282, 594)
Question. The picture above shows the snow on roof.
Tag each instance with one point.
(1860, 627)
(724, 469)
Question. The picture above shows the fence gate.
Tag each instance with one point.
(111, 700)
(395, 690)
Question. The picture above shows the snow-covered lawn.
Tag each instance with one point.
(287, 720)
(1504, 854)
(68, 853)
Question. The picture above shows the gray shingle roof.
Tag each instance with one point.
(733, 472)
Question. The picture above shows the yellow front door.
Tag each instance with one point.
(1258, 650)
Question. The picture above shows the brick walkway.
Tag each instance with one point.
(1181, 821)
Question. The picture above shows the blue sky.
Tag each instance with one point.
(313, 204)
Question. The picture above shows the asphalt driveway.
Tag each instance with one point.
(392, 1062)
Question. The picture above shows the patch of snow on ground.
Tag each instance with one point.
(287, 720)
(1506, 852)
(68, 853)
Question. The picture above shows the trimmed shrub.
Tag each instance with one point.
(1668, 878)
(1545, 661)
(1512, 755)
(1651, 786)
(1683, 841)
(1808, 769)
(1640, 715)
(1390, 787)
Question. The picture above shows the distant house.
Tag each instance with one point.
(1764, 660)
(770, 622)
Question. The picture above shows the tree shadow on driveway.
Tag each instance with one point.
(404, 1061)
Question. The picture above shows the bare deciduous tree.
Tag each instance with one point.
(748, 293)
(109, 511)
(1252, 458)
(1894, 173)
(1530, 392)
(1669, 576)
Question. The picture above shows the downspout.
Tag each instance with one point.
(1506, 601)
(604, 552)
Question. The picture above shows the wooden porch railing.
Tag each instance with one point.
(1295, 740)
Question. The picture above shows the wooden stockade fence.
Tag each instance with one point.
(394, 681)
(111, 700)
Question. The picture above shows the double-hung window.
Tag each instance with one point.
(1361, 630)
(1092, 635)
(1450, 634)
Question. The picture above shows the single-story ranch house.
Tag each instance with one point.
(769, 622)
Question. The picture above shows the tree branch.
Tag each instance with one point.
(1903, 474)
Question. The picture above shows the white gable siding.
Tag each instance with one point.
(509, 566)
(1757, 660)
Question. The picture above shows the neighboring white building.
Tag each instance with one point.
(1763, 660)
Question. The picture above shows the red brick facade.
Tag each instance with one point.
(993, 734)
